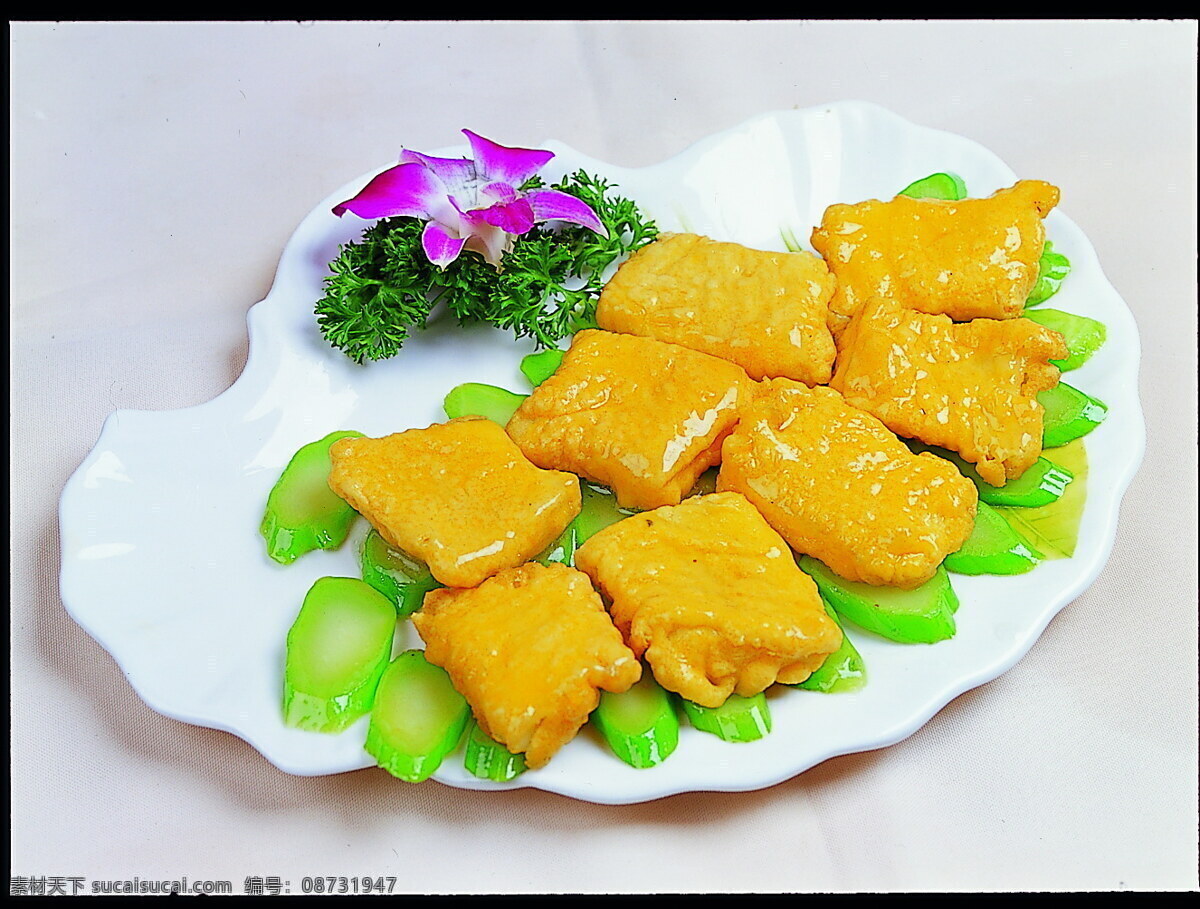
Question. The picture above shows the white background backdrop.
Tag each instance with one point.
(159, 168)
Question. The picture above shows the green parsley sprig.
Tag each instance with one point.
(382, 287)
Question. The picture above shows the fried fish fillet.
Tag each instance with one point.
(711, 596)
(640, 416)
(530, 649)
(458, 495)
(765, 311)
(840, 486)
(968, 259)
(971, 387)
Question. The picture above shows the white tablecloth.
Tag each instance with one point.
(157, 171)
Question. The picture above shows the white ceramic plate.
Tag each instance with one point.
(164, 566)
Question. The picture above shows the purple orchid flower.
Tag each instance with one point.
(469, 204)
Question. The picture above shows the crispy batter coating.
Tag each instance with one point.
(530, 649)
(840, 486)
(971, 387)
(458, 495)
(765, 311)
(643, 417)
(968, 259)
(712, 597)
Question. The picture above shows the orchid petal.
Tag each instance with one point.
(500, 192)
(457, 173)
(515, 217)
(553, 205)
(491, 243)
(440, 246)
(406, 189)
(509, 165)
(487, 239)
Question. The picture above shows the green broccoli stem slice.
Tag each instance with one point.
(923, 615)
(640, 725)
(418, 718)
(843, 670)
(487, 759)
(739, 719)
(303, 513)
(1054, 528)
(397, 575)
(476, 399)
(948, 187)
(1042, 483)
(1083, 336)
(337, 649)
(598, 510)
(1070, 414)
(538, 367)
(1053, 268)
(993, 548)
(562, 550)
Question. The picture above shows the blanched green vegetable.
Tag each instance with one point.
(487, 759)
(562, 550)
(922, 615)
(397, 575)
(538, 367)
(1041, 484)
(993, 548)
(640, 725)
(1053, 529)
(598, 510)
(706, 484)
(1084, 336)
(417, 720)
(302, 512)
(1053, 267)
(949, 187)
(475, 399)
(336, 651)
(843, 670)
(1070, 414)
(739, 719)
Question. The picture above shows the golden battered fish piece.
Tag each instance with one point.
(458, 495)
(712, 597)
(765, 311)
(840, 486)
(975, 258)
(640, 416)
(971, 387)
(530, 649)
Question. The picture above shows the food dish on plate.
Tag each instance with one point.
(840, 486)
(974, 655)
(530, 649)
(765, 311)
(643, 417)
(971, 387)
(708, 593)
(458, 496)
(967, 258)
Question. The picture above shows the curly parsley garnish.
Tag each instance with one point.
(382, 287)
